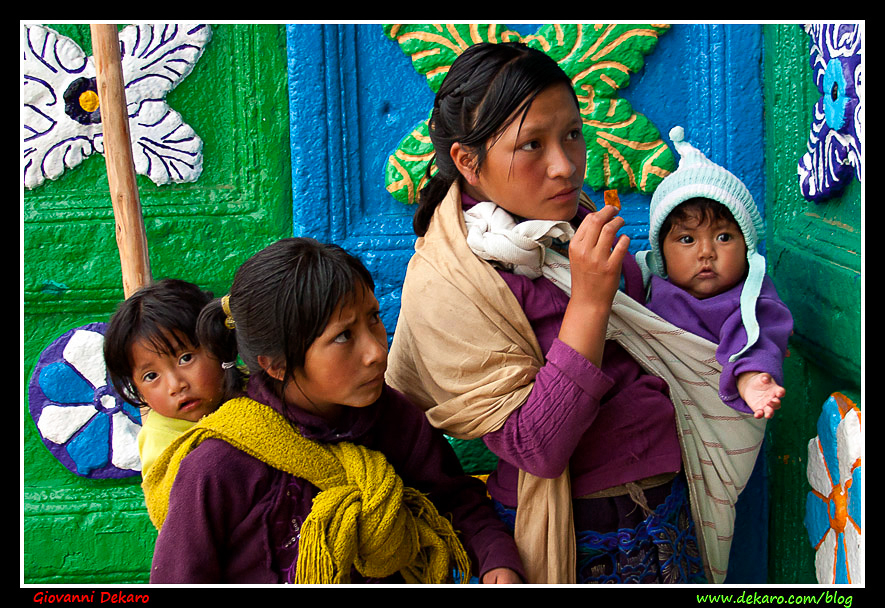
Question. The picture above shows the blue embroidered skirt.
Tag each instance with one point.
(626, 546)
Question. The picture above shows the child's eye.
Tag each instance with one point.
(685, 239)
(725, 237)
(185, 358)
(343, 337)
(530, 145)
(149, 377)
(575, 134)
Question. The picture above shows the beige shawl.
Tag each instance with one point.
(466, 353)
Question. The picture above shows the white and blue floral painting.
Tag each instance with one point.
(81, 419)
(835, 141)
(833, 506)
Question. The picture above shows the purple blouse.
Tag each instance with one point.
(609, 425)
(234, 519)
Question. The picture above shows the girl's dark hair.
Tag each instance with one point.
(281, 300)
(479, 98)
(163, 314)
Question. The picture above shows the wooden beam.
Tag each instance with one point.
(130, 231)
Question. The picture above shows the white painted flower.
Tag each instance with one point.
(833, 507)
(61, 123)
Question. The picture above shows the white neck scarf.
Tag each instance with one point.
(524, 247)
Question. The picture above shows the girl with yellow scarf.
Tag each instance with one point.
(319, 473)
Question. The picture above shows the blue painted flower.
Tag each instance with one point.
(81, 419)
(833, 507)
(836, 101)
(835, 141)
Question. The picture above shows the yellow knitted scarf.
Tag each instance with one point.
(363, 515)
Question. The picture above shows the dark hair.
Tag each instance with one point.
(281, 300)
(479, 98)
(163, 314)
(704, 208)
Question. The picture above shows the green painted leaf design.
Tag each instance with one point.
(624, 149)
(433, 47)
(406, 170)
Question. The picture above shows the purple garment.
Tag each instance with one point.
(609, 425)
(718, 319)
(234, 519)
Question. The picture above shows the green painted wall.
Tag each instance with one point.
(77, 530)
(814, 257)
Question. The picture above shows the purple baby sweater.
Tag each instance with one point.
(718, 319)
(234, 519)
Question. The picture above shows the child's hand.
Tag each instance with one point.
(761, 393)
(501, 576)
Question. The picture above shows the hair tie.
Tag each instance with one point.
(228, 364)
(229, 319)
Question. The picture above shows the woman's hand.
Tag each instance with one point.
(595, 255)
(501, 576)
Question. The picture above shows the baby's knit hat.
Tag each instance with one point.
(698, 177)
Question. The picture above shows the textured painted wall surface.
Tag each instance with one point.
(82, 530)
(814, 255)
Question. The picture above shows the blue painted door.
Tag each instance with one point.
(354, 95)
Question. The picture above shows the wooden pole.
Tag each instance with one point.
(131, 236)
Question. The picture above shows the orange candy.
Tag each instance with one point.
(611, 198)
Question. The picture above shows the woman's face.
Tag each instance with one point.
(535, 169)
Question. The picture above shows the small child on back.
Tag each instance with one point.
(155, 360)
(705, 275)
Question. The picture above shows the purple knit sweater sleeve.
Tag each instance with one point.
(766, 355)
(608, 425)
(541, 436)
